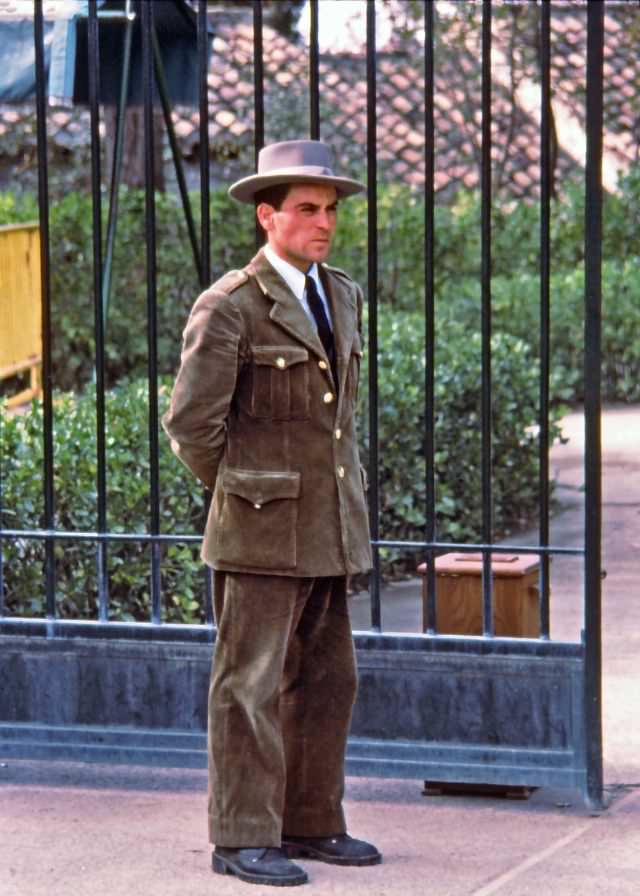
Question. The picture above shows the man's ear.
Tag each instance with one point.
(264, 213)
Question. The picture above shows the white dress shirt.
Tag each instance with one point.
(294, 278)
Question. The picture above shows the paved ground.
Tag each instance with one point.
(85, 830)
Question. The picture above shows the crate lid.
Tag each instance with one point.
(507, 565)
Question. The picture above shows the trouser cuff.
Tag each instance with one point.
(314, 824)
(244, 836)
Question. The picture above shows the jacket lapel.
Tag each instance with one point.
(287, 311)
(344, 316)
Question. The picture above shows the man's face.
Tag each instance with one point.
(301, 230)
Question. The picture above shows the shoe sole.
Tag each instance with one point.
(308, 852)
(223, 866)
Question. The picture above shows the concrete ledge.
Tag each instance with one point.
(425, 709)
(94, 743)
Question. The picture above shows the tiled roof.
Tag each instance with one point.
(400, 104)
(621, 82)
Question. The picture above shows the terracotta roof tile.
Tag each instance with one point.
(224, 118)
(400, 106)
(184, 128)
(238, 129)
(412, 156)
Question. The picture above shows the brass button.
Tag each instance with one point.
(341, 472)
(322, 365)
(338, 433)
(258, 506)
(327, 397)
(281, 363)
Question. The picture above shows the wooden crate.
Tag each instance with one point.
(20, 307)
(459, 594)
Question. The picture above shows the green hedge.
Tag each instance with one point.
(401, 471)
(457, 431)
(515, 238)
(182, 508)
(516, 311)
(515, 287)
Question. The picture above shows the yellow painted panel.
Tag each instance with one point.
(20, 302)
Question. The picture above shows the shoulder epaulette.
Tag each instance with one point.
(231, 281)
(338, 271)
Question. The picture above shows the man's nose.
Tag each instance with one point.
(323, 220)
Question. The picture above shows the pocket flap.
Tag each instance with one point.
(280, 356)
(260, 487)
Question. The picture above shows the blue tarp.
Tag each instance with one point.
(66, 53)
(17, 59)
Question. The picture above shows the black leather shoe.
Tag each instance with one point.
(338, 850)
(268, 866)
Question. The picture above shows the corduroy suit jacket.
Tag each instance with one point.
(256, 416)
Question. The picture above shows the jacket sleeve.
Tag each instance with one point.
(196, 421)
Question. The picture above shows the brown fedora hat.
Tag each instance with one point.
(293, 162)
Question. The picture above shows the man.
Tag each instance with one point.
(263, 414)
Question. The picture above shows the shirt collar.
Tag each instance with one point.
(292, 276)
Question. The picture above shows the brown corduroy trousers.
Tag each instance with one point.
(282, 689)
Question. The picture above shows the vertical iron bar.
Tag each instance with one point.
(258, 78)
(314, 73)
(592, 405)
(152, 335)
(372, 291)
(93, 67)
(545, 269)
(258, 92)
(117, 167)
(430, 623)
(203, 73)
(163, 93)
(487, 515)
(205, 228)
(47, 378)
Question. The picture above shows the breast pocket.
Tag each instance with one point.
(353, 372)
(257, 526)
(280, 383)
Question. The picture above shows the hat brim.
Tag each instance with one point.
(244, 190)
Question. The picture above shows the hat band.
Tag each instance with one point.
(296, 170)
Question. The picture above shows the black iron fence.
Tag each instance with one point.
(430, 546)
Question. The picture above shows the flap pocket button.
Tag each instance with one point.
(281, 363)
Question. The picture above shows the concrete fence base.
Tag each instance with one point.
(428, 708)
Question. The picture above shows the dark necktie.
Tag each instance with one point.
(319, 315)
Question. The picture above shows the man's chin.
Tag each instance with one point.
(320, 252)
